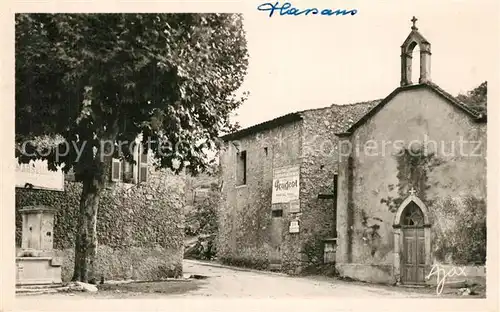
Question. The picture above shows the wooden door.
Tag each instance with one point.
(276, 239)
(413, 257)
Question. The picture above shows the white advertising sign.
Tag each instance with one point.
(37, 174)
(285, 184)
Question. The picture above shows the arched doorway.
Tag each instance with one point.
(411, 242)
(413, 251)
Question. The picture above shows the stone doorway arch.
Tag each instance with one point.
(401, 224)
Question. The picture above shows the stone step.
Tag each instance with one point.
(38, 289)
(35, 291)
(44, 289)
(39, 286)
(274, 266)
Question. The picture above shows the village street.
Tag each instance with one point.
(224, 282)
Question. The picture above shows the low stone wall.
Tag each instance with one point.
(131, 263)
(248, 257)
(125, 264)
(382, 274)
(139, 227)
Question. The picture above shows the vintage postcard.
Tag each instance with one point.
(233, 155)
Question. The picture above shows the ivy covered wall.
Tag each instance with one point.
(140, 227)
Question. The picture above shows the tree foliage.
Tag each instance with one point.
(464, 240)
(101, 80)
(205, 212)
(90, 77)
(476, 98)
(203, 223)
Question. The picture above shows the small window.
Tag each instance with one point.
(241, 168)
(413, 216)
(277, 213)
(122, 171)
(265, 151)
(128, 172)
(116, 170)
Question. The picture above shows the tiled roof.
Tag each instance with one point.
(343, 117)
(282, 120)
(346, 118)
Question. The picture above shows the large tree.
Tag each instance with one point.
(100, 78)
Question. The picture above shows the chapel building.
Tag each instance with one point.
(380, 190)
(412, 181)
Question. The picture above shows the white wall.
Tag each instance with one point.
(38, 174)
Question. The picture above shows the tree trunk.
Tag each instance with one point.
(94, 181)
(86, 236)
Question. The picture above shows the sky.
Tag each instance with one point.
(303, 62)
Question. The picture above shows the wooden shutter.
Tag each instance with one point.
(143, 167)
(116, 170)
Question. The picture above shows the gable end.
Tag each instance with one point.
(431, 86)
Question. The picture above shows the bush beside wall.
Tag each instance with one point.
(140, 227)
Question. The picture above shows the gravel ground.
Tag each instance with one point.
(221, 282)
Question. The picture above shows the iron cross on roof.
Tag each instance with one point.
(414, 21)
(412, 191)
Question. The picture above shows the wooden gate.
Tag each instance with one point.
(413, 256)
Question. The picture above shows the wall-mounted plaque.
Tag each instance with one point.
(294, 227)
(295, 206)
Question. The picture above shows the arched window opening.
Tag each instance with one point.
(414, 51)
(413, 216)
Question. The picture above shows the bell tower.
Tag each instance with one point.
(414, 39)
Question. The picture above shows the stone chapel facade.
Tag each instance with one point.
(412, 182)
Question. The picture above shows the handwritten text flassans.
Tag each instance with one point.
(288, 9)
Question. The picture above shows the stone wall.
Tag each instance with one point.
(246, 229)
(248, 234)
(140, 227)
(450, 181)
(319, 166)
